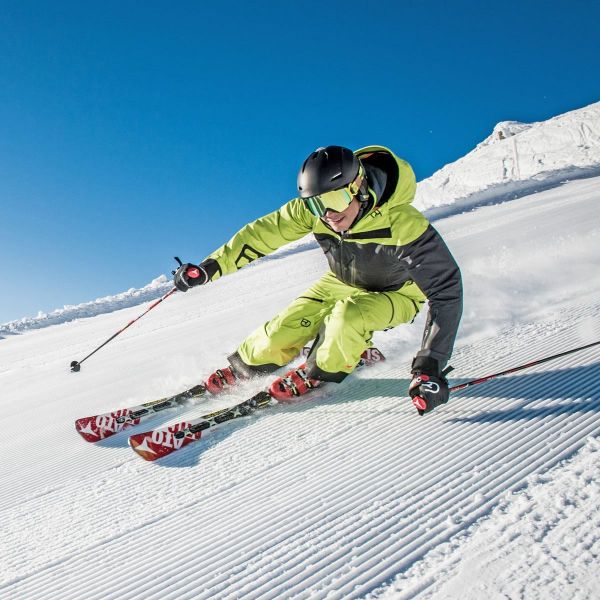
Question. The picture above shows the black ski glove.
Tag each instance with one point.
(189, 275)
(429, 387)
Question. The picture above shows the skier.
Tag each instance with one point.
(385, 260)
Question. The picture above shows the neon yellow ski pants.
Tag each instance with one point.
(343, 316)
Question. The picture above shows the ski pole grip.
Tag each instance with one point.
(193, 272)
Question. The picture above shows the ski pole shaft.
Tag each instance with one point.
(462, 386)
(76, 365)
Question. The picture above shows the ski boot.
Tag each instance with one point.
(294, 383)
(221, 380)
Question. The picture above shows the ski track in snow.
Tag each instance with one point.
(350, 495)
(560, 509)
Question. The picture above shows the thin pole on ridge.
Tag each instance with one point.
(462, 386)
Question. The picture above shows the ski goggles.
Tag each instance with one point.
(337, 200)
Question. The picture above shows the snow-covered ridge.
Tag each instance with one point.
(517, 158)
(131, 297)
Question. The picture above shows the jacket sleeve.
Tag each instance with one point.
(261, 237)
(433, 268)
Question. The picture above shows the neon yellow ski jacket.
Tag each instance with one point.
(393, 243)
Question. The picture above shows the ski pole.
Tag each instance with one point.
(76, 365)
(462, 386)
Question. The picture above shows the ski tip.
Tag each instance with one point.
(89, 431)
(139, 444)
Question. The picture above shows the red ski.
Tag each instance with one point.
(151, 445)
(99, 427)
(155, 444)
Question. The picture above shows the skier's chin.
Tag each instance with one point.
(341, 221)
(337, 225)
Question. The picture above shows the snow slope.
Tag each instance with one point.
(351, 495)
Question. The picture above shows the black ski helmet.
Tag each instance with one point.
(327, 169)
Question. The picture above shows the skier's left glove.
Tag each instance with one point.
(429, 387)
(189, 275)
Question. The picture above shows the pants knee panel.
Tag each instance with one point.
(348, 313)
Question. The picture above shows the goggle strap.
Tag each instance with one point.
(355, 185)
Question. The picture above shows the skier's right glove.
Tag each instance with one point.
(189, 275)
(428, 388)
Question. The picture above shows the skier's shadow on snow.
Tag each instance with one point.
(537, 395)
(522, 397)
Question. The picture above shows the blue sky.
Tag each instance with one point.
(134, 131)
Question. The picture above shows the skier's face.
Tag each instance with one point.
(341, 221)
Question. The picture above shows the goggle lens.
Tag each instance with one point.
(337, 200)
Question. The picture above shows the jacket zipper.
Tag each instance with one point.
(349, 272)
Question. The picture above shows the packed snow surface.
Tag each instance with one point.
(348, 494)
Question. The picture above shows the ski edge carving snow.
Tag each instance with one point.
(157, 443)
(98, 427)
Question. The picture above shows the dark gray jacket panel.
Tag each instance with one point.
(433, 268)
